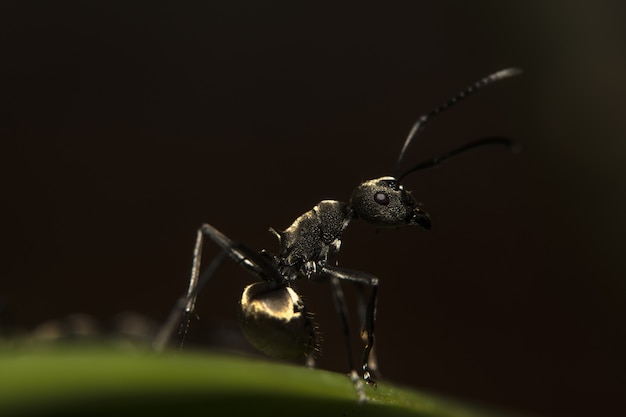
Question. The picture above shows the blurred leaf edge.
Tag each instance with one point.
(70, 380)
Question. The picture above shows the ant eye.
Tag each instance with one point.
(381, 198)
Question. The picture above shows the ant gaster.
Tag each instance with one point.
(272, 316)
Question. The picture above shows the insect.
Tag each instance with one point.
(272, 315)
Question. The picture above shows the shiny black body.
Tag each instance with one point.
(272, 315)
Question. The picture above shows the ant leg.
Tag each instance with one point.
(372, 362)
(342, 310)
(242, 254)
(181, 313)
(370, 319)
(183, 310)
(370, 314)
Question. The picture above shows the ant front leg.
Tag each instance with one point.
(336, 273)
(362, 303)
(183, 310)
(342, 310)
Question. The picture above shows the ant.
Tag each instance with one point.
(272, 316)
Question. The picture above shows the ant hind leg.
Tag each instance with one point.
(183, 310)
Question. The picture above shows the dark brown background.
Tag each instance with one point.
(125, 125)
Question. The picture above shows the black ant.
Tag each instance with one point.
(272, 316)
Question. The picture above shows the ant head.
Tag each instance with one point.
(274, 320)
(384, 202)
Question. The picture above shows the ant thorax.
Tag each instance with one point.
(315, 235)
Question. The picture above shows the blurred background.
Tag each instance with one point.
(125, 125)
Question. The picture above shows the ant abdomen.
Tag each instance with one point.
(274, 320)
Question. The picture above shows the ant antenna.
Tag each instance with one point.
(468, 146)
(421, 122)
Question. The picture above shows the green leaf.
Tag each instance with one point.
(98, 382)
